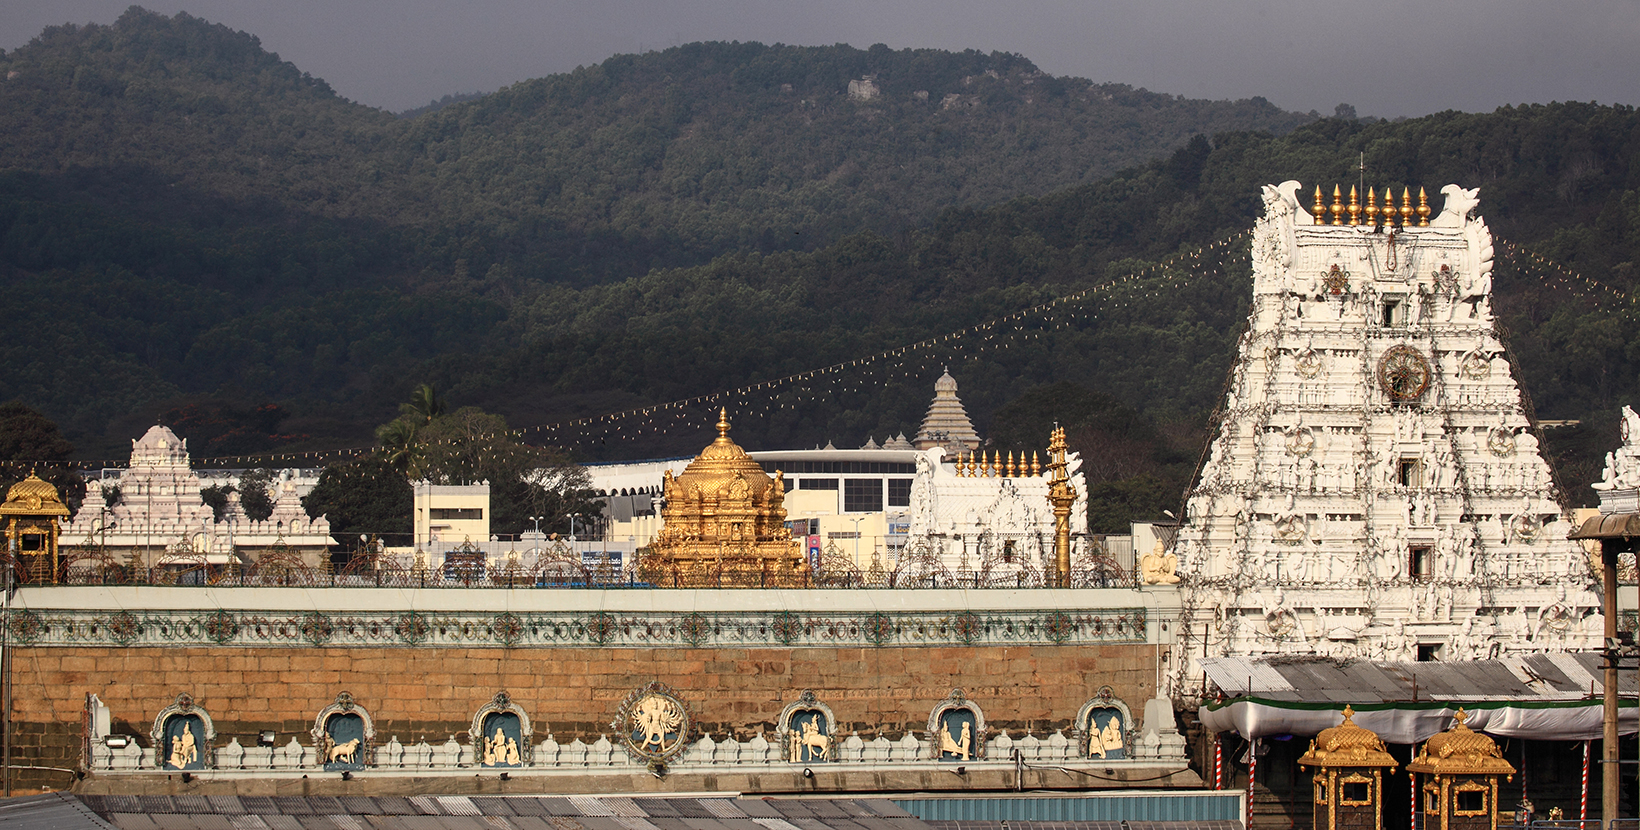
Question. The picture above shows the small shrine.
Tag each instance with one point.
(723, 524)
(1349, 777)
(30, 517)
(1460, 769)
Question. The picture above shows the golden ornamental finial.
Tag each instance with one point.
(723, 423)
(1318, 208)
(1461, 717)
(1387, 211)
(1406, 207)
(1355, 206)
(1370, 209)
(1337, 206)
(1423, 208)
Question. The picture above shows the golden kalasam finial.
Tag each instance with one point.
(1337, 206)
(723, 423)
(1423, 208)
(1387, 211)
(1370, 209)
(1318, 208)
(1355, 206)
(1406, 207)
(1036, 464)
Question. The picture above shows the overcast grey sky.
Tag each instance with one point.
(1388, 58)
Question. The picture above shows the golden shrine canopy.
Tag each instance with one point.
(724, 524)
(33, 496)
(1461, 751)
(1347, 745)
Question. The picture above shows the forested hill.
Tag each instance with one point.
(288, 275)
(654, 160)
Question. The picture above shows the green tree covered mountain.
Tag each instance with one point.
(672, 224)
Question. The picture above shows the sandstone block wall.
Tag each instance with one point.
(432, 693)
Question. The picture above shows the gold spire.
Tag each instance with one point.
(1036, 467)
(1423, 208)
(1318, 208)
(1371, 209)
(1337, 206)
(1355, 206)
(1406, 207)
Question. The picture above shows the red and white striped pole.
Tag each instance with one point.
(1583, 803)
(1412, 786)
(1218, 763)
(1252, 775)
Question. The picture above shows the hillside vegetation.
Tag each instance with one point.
(189, 225)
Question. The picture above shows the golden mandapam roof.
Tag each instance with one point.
(33, 497)
(1347, 745)
(1461, 751)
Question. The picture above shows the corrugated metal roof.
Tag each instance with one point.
(1545, 676)
(1172, 811)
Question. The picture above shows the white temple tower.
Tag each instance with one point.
(946, 425)
(1375, 489)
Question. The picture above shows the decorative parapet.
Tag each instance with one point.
(1053, 748)
(474, 629)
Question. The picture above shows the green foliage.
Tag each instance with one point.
(254, 497)
(186, 219)
(30, 443)
(363, 496)
(216, 496)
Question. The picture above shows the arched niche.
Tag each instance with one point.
(344, 735)
(956, 729)
(1103, 727)
(807, 731)
(182, 736)
(501, 735)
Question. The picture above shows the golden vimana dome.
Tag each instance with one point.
(1347, 745)
(33, 496)
(718, 467)
(1461, 750)
(723, 524)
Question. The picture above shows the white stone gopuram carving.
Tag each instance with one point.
(1374, 489)
(161, 519)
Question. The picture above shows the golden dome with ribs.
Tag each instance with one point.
(716, 469)
(1347, 745)
(1462, 751)
(33, 497)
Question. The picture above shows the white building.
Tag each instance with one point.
(1375, 488)
(161, 520)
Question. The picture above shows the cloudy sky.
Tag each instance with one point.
(1387, 58)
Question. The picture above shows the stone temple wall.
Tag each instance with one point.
(877, 674)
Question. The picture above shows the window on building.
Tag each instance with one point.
(862, 495)
(1429, 652)
(1420, 562)
(1410, 473)
(464, 513)
(818, 484)
(1355, 792)
(1395, 312)
(1471, 801)
(899, 492)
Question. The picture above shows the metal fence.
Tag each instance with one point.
(557, 566)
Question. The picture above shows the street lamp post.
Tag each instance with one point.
(537, 520)
(572, 517)
(857, 539)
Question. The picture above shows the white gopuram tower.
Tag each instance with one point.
(1374, 489)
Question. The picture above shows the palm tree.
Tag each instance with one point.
(424, 405)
